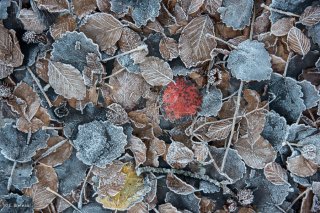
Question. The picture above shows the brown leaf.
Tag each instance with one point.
(59, 154)
(168, 208)
(31, 21)
(255, 154)
(55, 6)
(139, 208)
(27, 101)
(129, 40)
(63, 24)
(194, 43)
(252, 98)
(156, 148)
(128, 88)
(212, 6)
(253, 125)
(178, 186)
(103, 29)
(42, 69)
(195, 6)
(207, 205)
(300, 166)
(47, 177)
(168, 48)
(66, 80)
(282, 26)
(298, 42)
(201, 151)
(310, 16)
(116, 114)
(278, 64)
(219, 130)
(275, 174)
(103, 6)
(40, 119)
(84, 7)
(156, 71)
(5, 70)
(139, 150)
(178, 155)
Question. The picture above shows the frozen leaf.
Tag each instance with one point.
(212, 6)
(314, 33)
(27, 101)
(141, 207)
(5, 70)
(168, 48)
(31, 21)
(219, 130)
(138, 149)
(178, 155)
(288, 101)
(178, 186)
(301, 167)
(141, 11)
(167, 208)
(311, 144)
(47, 177)
(56, 6)
(156, 71)
(310, 94)
(20, 204)
(275, 129)
(3, 8)
(135, 188)
(62, 25)
(14, 143)
(310, 16)
(127, 89)
(103, 29)
(250, 62)
(298, 42)
(298, 132)
(207, 187)
(211, 103)
(127, 62)
(201, 151)
(180, 99)
(255, 153)
(70, 174)
(194, 43)
(236, 14)
(253, 125)
(66, 80)
(188, 202)
(129, 40)
(156, 148)
(275, 174)
(73, 48)
(61, 151)
(83, 7)
(195, 6)
(116, 114)
(99, 143)
(282, 26)
(234, 167)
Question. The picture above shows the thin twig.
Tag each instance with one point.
(233, 94)
(139, 48)
(279, 11)
(232, 127)
(11, 175)
(287, 64)
(295, 200)
(83, 187)
(67, 201)
(221, 40)
(113, 74)
(52, 128)
(29, 136)
(252, 23)
(51, 149)
(40, 87)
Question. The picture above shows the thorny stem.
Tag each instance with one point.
(221, 40)
(67, 201)
(40, 87)
(295, 200)
(287, 64)
(232, 127)
(279, 11)
(52, 149)
(11, 175)
(83, 187)
(146, 169)
(142, 47)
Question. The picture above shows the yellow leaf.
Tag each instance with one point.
(132, 192)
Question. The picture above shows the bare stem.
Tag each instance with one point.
(295, 200)
(83, 187)
(222, 41)
(11, 175)
(40, 87)
(52, 127)
(142, 47)
(252, 22)
(114, 74)
(287, 64)
(232, 127)
(279, 11)
(52, 149)
(67, 201)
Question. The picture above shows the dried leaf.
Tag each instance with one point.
(138, 149)
(178, 186)
(219, 130)
(188, 202)
(31, 21)
(129, 40)
(211, 103)
(178, 155)
(282, 26)
(194, 43)
(168, 48)
(300, 166)
(167, 208)
(63, 24)
(66, 80)
(275, 174)
(195, 6)
(103, 29)
(212, 6)
(116, 114)
(310, 16)
(156, 71)
(84, 7)
(55, 6)
(298, 42)
(201, 151)
(47, 177)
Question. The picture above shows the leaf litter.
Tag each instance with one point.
(160, 105)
